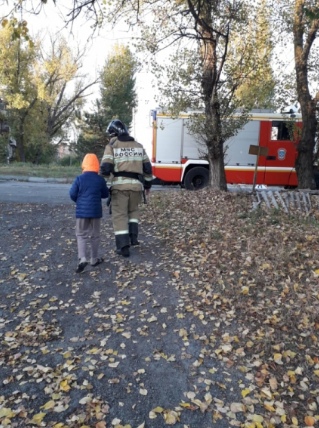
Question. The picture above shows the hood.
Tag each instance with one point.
(90, 163)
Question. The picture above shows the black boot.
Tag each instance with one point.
(134, 240)
(133, 230)
(125, 251)
(123, 244)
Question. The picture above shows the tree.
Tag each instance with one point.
(92, 136)
(35, 87)
(17, 57)
(258, 88)
(208, 66)
(92, 9)
(299, 24)
(117, 99)
(305, 29)
(59, 69)
(118, 95)
(212, 24)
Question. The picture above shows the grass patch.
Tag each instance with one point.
(46, 171)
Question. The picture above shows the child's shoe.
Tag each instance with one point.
(97, 261)
(81, 266)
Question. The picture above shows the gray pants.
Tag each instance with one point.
(87, 231)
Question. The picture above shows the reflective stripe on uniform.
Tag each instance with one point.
(126, 159)
(121, 232)
(133, 220)
(125, 180)
(107, 157)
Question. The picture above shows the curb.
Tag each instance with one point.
(35, 179)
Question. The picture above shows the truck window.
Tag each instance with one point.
(279, 131)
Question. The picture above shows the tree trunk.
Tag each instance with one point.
(302, 45)
(215, 145)
(20, 142)
(214, 142)
(305, 148)
(217, 176)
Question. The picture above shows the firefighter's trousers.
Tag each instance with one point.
(125, 216)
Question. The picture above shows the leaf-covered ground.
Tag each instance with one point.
(212, 322)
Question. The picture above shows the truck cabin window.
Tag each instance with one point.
(279, 131)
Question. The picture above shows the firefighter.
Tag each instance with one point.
(128, 169)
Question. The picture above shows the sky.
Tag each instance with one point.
(98, 47)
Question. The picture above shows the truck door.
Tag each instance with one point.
(280, 161)
(169, 140)
(168, 145)
(191, 147)
(239, 164)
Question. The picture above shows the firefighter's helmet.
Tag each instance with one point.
(116, 127)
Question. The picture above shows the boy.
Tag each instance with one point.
(87, 191)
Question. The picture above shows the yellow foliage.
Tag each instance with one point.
(48, 405)
(64, 386)
(38, 418)
(6, 412)
(245, 392)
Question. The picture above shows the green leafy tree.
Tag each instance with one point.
(17, 58)
(118, 95)
(92, 137)
(58, 71)
(117, 99)
(257, 88)
(35, 86)
(214, 57)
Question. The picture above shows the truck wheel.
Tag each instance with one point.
(196, 178)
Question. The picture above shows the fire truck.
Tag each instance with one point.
(178, 158)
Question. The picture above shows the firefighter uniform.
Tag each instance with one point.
(128, 171)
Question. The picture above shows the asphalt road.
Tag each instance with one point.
(52, 193)
(25, 192)
(42, 192)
